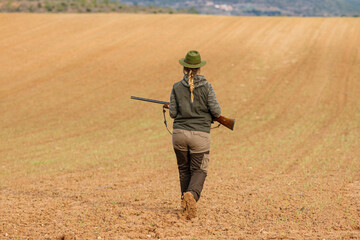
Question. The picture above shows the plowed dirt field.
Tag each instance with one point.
(80, 160)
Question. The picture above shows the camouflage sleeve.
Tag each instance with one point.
(173, 105)
(213, 104)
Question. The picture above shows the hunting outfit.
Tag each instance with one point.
(192, 111)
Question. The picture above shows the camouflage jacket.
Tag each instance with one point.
(197, 115)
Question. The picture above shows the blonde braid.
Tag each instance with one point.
(191, 83)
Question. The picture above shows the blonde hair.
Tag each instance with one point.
(192, 72)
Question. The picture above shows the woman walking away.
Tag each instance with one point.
(193, 105)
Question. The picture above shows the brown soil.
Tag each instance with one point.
(80, 160)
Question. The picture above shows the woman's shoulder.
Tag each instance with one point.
(200, 80)
(177, 84)
(182, 83)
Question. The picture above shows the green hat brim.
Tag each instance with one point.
(182, 62)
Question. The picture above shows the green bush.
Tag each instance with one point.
(59, 8)
(49, 7)
(193, 10)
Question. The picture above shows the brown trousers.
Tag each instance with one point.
(192, 150)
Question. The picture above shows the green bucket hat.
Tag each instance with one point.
(192, 60)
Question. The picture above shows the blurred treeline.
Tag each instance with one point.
(80, 6)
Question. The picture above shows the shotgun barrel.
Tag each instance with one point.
(150, 100)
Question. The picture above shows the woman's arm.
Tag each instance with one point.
(173, 105)
(213, 104)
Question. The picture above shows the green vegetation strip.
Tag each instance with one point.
(82, 6)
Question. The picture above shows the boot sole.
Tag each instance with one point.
(190, 205)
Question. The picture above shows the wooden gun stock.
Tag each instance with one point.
(227, 122)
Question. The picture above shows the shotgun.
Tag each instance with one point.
(227, 122)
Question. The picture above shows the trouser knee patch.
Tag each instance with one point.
(200, 161)
(205, 163)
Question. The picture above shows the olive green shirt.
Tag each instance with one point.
(197, 115)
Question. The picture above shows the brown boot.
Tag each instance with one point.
(190, 205)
